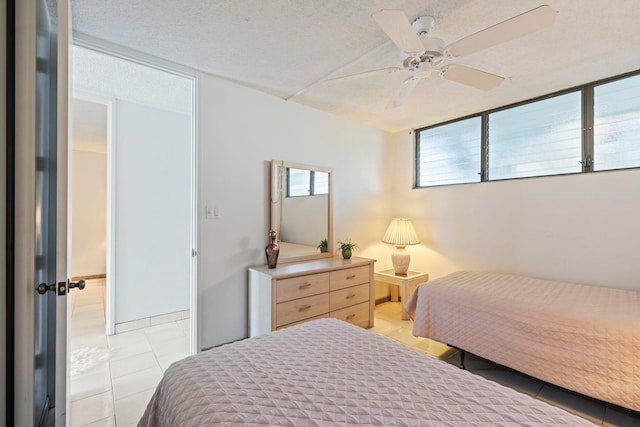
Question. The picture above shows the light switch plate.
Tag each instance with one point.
(212, 212)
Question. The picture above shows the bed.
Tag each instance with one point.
(583, 338)
(329, 372)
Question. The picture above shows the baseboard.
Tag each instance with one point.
(88, 277)
(383, 299)
(152, 321)
(220, 345)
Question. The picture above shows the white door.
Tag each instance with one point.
(37, 207)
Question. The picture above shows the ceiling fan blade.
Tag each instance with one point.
(404, 91)
(471, 77)
(381, 71)
(399, 30)
(518, 26)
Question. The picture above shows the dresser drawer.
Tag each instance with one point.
(301, 309)
(357, 314)
(349, 277)
(322, 316)
(349, 296)
(298, 292)
(301, 286)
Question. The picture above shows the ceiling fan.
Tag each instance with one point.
(425, 54)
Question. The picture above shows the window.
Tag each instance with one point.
(535, 139)
(320, 182)
(304, 182)
(616, 129)
(449, 154)
(594, 127)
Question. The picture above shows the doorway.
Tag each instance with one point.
(135, 143)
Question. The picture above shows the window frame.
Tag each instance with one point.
(416, 163)
(312, 184)
(587, 140)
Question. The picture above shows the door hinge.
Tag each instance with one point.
(194, 253)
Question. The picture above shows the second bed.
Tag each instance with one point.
(583, 338)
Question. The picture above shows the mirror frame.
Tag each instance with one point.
(278, 168)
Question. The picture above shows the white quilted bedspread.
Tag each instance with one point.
(584, 338)
(330, 373)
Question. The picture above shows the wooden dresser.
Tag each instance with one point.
(298, 292)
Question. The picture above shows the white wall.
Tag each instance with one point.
(240, 132)
(88, 213)
(581, 228)
(152, 244)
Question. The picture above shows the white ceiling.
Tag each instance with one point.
(287, 47)
(97, 74)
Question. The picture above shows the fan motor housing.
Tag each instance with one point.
(433, 47)
(422, 25)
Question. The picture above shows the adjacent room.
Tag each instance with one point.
(456, 178)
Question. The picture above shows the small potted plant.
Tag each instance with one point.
(346, 247)
(324, 245)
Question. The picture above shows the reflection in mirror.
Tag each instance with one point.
(301, 209)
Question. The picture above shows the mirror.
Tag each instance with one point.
(301, 210)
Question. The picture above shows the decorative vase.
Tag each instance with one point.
(272, 250)
(324, 249)
(346, 253)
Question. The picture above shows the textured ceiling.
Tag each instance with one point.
(95, 73)
(287, 47)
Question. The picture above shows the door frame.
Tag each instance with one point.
(63, 306)
(145, 60)
(7, 322)
(110, 103)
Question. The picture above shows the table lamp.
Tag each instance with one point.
(401, 233)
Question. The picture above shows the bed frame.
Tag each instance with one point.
(583, 338)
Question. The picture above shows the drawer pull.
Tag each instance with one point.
(304, 308)
(304, 286)
(351, 296)
(351, 276)
(351, 316)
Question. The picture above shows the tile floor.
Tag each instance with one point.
(113, 378)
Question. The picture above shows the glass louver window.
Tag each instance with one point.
(616, 130)
(536, 139)
(449, 154)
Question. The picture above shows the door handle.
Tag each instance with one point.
(43, 288)
(79, 284)
(61, 287)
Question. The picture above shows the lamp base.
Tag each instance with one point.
(400, 260)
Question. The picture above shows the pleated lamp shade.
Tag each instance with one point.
(401, 233)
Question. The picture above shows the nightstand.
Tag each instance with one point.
(406, 284)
